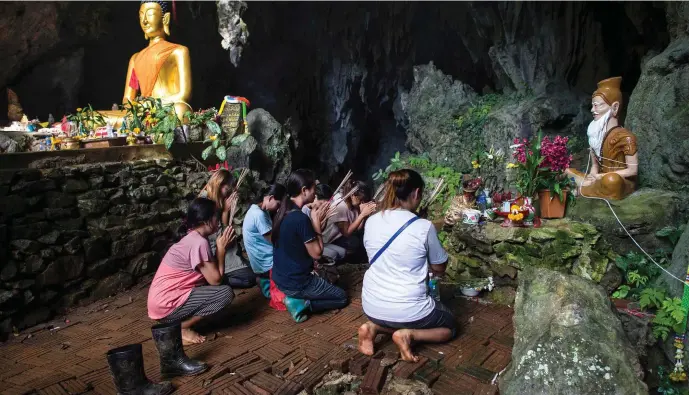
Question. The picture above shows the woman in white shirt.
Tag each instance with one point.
(395, 296)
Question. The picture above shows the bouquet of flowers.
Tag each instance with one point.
(540, 164)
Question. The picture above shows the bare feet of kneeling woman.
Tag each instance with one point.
(190, 337)
(403, 339)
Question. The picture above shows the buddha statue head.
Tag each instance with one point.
(605, 106)
(154, 18)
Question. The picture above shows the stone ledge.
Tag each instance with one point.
(643, 213)
(562, 245)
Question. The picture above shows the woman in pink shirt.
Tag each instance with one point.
(186, 286)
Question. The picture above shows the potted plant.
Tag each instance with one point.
(86, 120)
(540, 165)
(149, 116)
(472, 286)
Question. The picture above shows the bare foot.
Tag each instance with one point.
(403, 339)
(367, 334)
(191, 337)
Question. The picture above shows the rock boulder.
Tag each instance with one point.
(643, 213)
(568, 340)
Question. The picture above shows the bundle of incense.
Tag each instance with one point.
(333, 208)
(435, 193)
(350, 193)
(344, 180)
(242, 176)
(379, 192)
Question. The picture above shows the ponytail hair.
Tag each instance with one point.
(200, 211)
(297, 180)
(399, 187)
(277, 191)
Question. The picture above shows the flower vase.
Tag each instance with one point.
(551, 205)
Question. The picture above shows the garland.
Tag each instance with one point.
(679, 372)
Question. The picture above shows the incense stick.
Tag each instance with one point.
(242, 176)
(436, 192)
(353, 191)
(344, 180)
(378, 192)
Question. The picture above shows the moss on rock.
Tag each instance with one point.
(561, 245)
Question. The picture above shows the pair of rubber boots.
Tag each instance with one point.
(127, 363)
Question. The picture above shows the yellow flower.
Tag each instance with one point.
(213, 138)
(153, 110)
(137, 130)
(79, 109)
(475, 164)
(512, 165)
(515, 217)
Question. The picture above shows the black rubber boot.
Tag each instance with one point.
(173, 360)
(127, 370)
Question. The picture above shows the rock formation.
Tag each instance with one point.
(568, 340)
(658, 109)
(561, 245)
(643, 214)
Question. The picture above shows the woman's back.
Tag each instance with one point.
(394, 286)
(292, 264)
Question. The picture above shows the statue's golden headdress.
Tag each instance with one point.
(609, 90)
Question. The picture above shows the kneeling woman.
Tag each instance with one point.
(256, 232)
(220, 190)
(298, 242)
(180, 291)
(394, 294)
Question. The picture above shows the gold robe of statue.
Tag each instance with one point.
(162, 70)
(618, 143)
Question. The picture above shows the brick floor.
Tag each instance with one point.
(255, 350)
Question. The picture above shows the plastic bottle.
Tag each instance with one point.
(433, 287)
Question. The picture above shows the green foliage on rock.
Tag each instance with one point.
(431, 173)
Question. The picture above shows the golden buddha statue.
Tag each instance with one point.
(614, 161)
(162, 70)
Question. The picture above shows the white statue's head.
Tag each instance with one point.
(605, 103)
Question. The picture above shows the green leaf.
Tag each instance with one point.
(216, 143)
(206, 152)
(666, 231)
(621, 292)
(221, 153)
(214, 127)
(651, 297)
(660, 332)
(169, 139)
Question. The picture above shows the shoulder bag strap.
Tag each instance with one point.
(400, 230)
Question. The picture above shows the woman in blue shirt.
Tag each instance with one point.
(256, 231)
(298, 242)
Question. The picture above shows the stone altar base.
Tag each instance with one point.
(562, 245)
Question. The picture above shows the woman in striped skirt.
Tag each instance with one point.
(187, 285)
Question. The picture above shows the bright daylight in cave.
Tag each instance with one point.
(399, 198)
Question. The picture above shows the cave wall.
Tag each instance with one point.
(76, 234)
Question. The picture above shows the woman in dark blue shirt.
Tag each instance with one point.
(298, 241)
